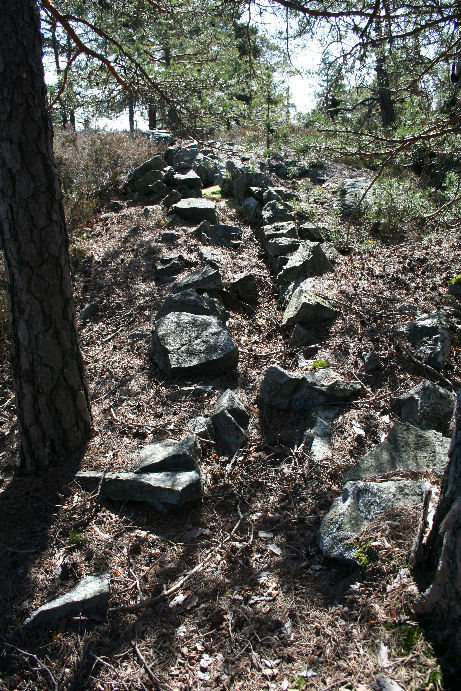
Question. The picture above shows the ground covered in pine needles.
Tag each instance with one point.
(245, 598)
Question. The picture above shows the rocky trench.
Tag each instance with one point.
(190, 338)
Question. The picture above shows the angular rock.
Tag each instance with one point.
(359, 504)
(182, 157)
(317, 438)
(306, 308)
(282, 247)
(372, 362)
(274, 212)
(196, 210)
(166, 267)
(169, 237)
(301, 337)
(243, 183)
(351, 193)
(189, 192)
(222, 235)
(244, 289)
(206, 278)
(192, 344)
(201, 426)
(157, 163)
(211, 257)
(308, 260)
(188, 392)
(427, 406)
(206, 168)
(144, 184)
(303, 391)
(90, 595)
(158, 190)
(277, 230)
(189, 180)
(193, 303)
(230, 422)
(430, 337)
(89, 311)
(405, 448)
(172, 198)
(116, 205)
(251, 211)
(156, 489)
(171, 455)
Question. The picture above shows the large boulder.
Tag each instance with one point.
(192, 344)
(306, 308)
(430, 337)
(171, 455)
(193, 303)
(146, 174)
(405, 448)
(207, 278)
(427, 406)
(309, 260)
(243, 183)
(360, 504)
(160, 490)
(193, 209)
(230, 421)
(89, 596)
(303, 391)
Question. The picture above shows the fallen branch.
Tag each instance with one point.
(43, 667)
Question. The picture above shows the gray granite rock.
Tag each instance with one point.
(193, 303)
(282, 247)
(196, 210)
(192, 344)
(189, 180)
(405, 448)
(207, 278)
(277, 230)
(171, 455)
(243, 183)
(166, 267)
(430, 337)
(306, 308)
(359, 504)
(201, 426)
(222, 235)
(89, 311)
(371, 361)
(427, 406)
(172, 198)
(160, 490)
(351, 193)
(303, 391)
(230, 422)
(317, 437)
(308, 260)
(251, 211)
(157, 163)
(300, 336)
(90, 595)
(182, 157)
(244, 289)
(311, 232)
(274, 212)
(206, 168)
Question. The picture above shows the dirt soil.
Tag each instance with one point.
(253, 602)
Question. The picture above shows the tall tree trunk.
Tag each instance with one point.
(152, 116)
(440, 563)
(385, 101)
(51, 395)
(131, 113)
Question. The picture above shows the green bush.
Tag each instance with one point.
(92, 166)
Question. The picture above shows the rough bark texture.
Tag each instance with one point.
(386, 103)
(51, 396)
(440, 603)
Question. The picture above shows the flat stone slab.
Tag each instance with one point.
(192, 344)
(193, 303)
(285, 390)
(405, 448)
(282, 247)
(189, 179)
(90, 595)
(159, 490)
(359, 504)
(309, 260)
(171, 455)
(196, 210)
(427, 406)
(274, 212)
(166, 267)
(278, 230)
(306, 308)
(222, 235)
(207, 278)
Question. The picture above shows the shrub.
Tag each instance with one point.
(93, 165)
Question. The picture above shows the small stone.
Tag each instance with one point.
(311, 232)
(430, 337)
(193, 303)
(166, 267)
(278, 230)
(189, 179)
(116, 206)
(201, 426)
(306, 308)
(222, 235)
(90, 595)
(170, 455)
(169, 237)
(172, 198)
(372, 362)
(251, 211)
(230, 422)
(89, 311)
(274, 212)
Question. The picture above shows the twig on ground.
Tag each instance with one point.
(159, 684)
(110, 667)
(53, 682)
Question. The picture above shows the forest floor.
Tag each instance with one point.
(264, 609)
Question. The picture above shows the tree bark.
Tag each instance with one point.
(386, 104)
(51, 395)
(440, 564)
(131, 113)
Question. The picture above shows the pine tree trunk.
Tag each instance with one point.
(131, 114)
(51, 395)
(385, 101)
(440, 564)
